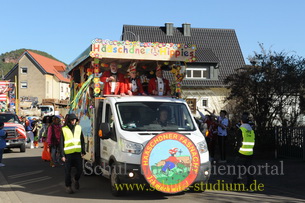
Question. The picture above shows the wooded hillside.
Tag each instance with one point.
(9, 59)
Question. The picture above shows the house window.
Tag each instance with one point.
(197, 73)
(205, 102)
(24, 70)
(192, 105)
(24, 84)
(62, 89)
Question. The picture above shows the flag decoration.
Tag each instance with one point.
(4, 86)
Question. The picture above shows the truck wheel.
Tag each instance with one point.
(116, 190)
(22, 148)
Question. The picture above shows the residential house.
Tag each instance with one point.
(218, 55)
(39, 76)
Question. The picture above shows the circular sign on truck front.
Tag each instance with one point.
(170, 162)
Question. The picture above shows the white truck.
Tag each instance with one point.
(124, 137)
(47, 110)
(50, 107)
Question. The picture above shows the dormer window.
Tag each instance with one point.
(197, 73)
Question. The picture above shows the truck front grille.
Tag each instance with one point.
(11, 132)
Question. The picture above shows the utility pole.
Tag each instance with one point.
(2, 77)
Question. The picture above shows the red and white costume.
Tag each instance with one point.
(113, 87)
(134, 85)
(159, 85)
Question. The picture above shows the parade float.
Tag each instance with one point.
(111, 141)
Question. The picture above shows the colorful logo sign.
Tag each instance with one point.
(143, 50)
(170, 162)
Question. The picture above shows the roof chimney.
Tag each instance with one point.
(169, 29)
(186, 29)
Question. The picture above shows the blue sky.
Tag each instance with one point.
(65, 28)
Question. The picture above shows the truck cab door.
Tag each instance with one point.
(108, 145)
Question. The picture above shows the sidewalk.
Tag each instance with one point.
(284, 177)
(6, 193)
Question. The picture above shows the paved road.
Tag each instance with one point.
(26, 178)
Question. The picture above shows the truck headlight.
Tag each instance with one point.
(131, 147)
(202, 147)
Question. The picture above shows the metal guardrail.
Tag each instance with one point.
(290, 142)
(277, 142)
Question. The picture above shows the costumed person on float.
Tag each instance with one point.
(171, 161)
(113, 81)
(133, 85)
(159, 86)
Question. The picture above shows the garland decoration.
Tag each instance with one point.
(81, 91)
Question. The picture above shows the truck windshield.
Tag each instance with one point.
(9, 118)
(154, 116)
(45, 109)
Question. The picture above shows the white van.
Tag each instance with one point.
(126, 124)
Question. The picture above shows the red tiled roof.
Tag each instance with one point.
(60, 68)
(50, 65)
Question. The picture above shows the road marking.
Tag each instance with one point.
(33, 180)
(48, 188)
(25, 174)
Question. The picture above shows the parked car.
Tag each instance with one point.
(16, 135)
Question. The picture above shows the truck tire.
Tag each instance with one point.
(22, 148)
(114, 181)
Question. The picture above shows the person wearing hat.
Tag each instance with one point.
(159, 86)
(245, 142)
(114, 81)
(29, 131)
(53, 139)
(72, 148)
(133, 85)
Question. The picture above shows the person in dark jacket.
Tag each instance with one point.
(72, 148)
(53, 140)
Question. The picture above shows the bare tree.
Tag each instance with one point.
(271, 88)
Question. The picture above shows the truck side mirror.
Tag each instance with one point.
(104, 131)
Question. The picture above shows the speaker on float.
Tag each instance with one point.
(76, 76)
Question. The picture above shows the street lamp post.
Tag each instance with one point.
(136, 37)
